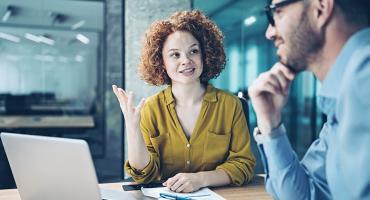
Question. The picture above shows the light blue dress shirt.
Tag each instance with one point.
(337, 164)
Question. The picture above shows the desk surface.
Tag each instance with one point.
(253, 190)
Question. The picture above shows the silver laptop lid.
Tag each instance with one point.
(51, 168)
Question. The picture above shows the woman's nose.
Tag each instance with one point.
(185, 60)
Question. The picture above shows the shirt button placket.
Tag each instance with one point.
(188, 161)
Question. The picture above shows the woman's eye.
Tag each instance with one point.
(175, 55)
(194, 51)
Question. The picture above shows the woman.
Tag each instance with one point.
(192, 134)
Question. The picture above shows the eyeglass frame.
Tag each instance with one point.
(270, 9)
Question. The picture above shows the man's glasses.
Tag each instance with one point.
(270, 9)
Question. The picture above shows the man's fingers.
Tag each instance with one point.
(270, 88)
(289, 74)
(265, 85)
(284, 82)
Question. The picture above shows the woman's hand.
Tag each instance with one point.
(130, 112)
(184, 182)
(138, 154)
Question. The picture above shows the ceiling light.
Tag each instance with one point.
(46, 39)
(40, 38)
(32, 37)
(250, 20)
(82, 38)
(9, 37)
(78, 25)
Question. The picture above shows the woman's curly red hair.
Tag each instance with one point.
(151, 67)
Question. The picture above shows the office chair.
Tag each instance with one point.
(258, 169)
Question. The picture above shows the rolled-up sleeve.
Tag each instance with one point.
(148, 173)
(240, 160)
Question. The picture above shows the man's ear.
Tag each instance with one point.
(323, 10)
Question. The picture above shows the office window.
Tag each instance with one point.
(51, 72)
(38, 78)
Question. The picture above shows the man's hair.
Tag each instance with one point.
(355, 11)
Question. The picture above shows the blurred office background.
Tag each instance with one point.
(59, 58)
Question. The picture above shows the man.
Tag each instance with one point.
(331, 39)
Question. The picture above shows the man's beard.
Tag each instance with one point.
(304, 45)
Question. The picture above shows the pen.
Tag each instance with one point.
(173, 196)
(176, 197)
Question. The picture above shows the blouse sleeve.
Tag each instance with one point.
(240, 162)
(151, 172)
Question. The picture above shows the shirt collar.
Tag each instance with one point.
(335, 75)
(210, 95)
(331, 84)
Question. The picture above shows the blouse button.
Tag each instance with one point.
(188, 162)
(188, 145)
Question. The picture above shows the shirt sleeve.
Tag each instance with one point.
(240, 161)
(354, 134)
(151, 172)
(286, 177)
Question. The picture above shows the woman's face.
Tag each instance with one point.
(182, 58)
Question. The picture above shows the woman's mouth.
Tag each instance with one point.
(187, 70)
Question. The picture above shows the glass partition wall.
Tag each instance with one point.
(59, 78)
(248, 54)
(51, 72)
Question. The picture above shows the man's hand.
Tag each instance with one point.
(269, 94)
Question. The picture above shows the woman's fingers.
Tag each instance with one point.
(139, 106)
(177, 184)
(183, 187)
(126, 101)
(170, 182)
(130, 101)
(121, 97)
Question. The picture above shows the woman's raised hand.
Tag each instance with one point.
(129, 110)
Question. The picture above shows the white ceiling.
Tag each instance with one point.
(35, 17)
(37, 13)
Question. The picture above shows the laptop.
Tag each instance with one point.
(54, 169)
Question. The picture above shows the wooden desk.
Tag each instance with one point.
(254, 190)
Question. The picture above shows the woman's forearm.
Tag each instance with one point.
(216, 177)
(138, 154)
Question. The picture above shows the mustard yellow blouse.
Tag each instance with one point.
(220, 139)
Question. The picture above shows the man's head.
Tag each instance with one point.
(299, 27)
